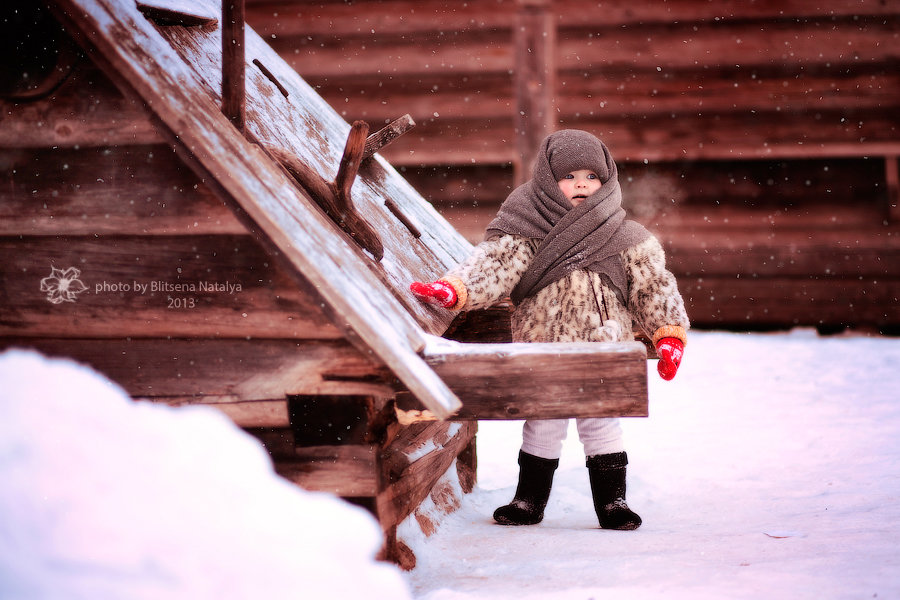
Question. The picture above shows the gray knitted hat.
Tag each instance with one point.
(572, 150)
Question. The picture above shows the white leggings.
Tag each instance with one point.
(544, 438)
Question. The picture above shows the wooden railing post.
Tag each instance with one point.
(233, 65)
(892, 179)
(534, 42)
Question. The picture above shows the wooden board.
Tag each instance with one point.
(409, 485)
(286, 18)
(86, 110)
(182, 371)
(214, 286)
(543, 381)
(136, 190)
(347, 471)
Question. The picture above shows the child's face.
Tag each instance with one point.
(578, 185)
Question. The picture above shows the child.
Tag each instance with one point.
(577, 271)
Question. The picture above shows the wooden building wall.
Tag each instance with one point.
(170, 295)
(759, 140)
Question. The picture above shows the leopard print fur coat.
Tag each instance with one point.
(579, 307)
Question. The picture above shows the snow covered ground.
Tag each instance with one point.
(769, 468)
(102, 498)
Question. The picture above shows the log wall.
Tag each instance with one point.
(748, 135)
(119, 256)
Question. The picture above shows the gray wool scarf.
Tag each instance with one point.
(589, 236)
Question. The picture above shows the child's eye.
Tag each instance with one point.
(592, 176)
(569, 176)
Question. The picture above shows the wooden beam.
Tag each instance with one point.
(415, 465)
(247, 414)
(348, 471)
(405, 17)
(387, 134)
(769, 135)
(118, 190)
(221, 371)
(177, 12)
(543, 381)
(785, 44)
(183, 286)
(534, 49)
(86, 110)
(892, 180)
(233, 62)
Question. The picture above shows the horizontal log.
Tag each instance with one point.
(282, 18)
(86, 110)
(772, 135)
(581, 93)
(349, 471)
(247, 414)
(543, 381)
(221, 371)
(414, 443)
(848, 192)
(152, 286)
(787, 44)
(398, 499)
(779, 302)
(138, 190)
(761, 254)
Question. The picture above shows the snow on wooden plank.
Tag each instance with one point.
(177, 12)
(543, 381)
(282, 215)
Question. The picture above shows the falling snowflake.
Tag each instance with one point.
(62, 286)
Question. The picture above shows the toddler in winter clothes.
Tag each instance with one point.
(577, 271)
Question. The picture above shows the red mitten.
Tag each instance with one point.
(439, 292)
(670, 350)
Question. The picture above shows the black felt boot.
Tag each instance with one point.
(532, 493)
(607, 473)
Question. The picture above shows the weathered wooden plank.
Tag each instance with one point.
(491, 96)
(285, 123)
(176, 12)
(153, 286)
(788, 44)
(303, 125)
(252, 413)
(892, 179)
(534, 68)
(137, 190)
(148, 66)
(760, 254)
(778, 302)
(802, 193)
(543, 381)
(348, 471)
(285, 18)
(86, 110)
(767, 135)
(234, 63)
(222, 370)
(425, 465)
